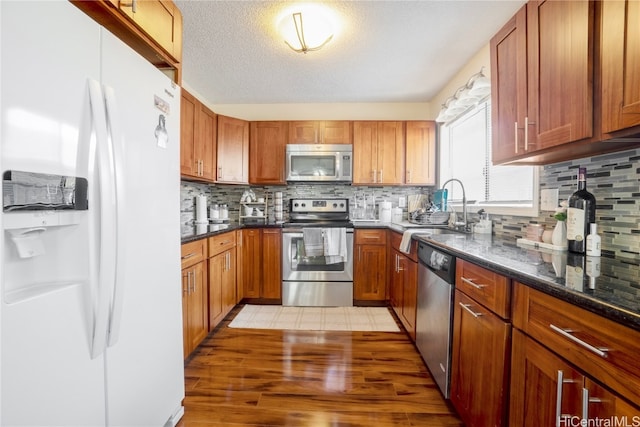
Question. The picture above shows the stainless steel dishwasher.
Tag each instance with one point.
(434, 318)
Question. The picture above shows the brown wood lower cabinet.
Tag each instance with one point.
(369, 265)
(570, 363)
(194, 295)
(479, 368)
(222, 277)
(260, 261)
(403, 288)
(548, 391)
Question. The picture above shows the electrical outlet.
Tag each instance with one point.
(402, 202)
(549, 199)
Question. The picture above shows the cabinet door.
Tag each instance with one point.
(229, 293)
(186, 343)
(365, 152)
(543, 386)
(198, 321)
(189, 107)
(603, 404)
(336, 132)
(620, 51)
(304, 132)
(271, 263)
(420, 156)
(369, 284)
(233, 150)
(160, 20)
(390, 153)
(251, 265)
(409, 273)
(267, 146)
(560, 72)
(206, 144)
(395, 284)
(479, 366)
(216, 269)
(508, 50)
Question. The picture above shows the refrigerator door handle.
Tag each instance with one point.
(116, 138)
(106, 246)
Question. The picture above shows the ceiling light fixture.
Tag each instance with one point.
(478, 87)
(312, 36)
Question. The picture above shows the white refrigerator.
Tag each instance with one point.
(90, 304)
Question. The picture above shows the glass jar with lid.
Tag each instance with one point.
(224, 211)
(214, 211)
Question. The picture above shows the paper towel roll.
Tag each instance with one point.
(201, 210)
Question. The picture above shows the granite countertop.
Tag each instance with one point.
(613, 291)
(190, 233)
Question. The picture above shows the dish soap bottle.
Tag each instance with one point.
(593, 241)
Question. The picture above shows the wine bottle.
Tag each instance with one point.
(581, 212)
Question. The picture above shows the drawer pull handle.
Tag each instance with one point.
(226, 242)
(600, 351)
(466, 307)
(192, 254)
(470, 282)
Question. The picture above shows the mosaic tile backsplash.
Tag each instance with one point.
(614, 180)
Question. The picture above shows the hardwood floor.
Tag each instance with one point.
(250, 377)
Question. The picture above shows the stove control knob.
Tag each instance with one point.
(342, 205)
(304, 205)
(335, 205)
(295, 205)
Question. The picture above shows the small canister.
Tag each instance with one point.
(214, 212)
(396, 215)
(224, 212)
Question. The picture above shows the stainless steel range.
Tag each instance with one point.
(317, 259)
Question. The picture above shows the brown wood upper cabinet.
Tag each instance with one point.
(420, 156)
(197, 139)
(320, 132)
(620, 56)
(160, 19)
(378, 152)
(562, 81)
(233, 150)
(556, 82)
(153, 28)
(267, 144)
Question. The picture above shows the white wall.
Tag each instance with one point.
(355, 111)
(479, 60)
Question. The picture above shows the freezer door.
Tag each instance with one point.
(49, 50)
(145, 368)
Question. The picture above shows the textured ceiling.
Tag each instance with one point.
(387, 51)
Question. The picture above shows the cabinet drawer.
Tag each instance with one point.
(221, 243)
(193, 252)
(396, 238)
(374, 236)
(608, 351)
(488, 288)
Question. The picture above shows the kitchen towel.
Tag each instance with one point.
(405, 243)
(313, 241)
(335, 245)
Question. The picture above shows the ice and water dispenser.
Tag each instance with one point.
(46, 234)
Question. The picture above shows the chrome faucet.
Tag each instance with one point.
(464, 224)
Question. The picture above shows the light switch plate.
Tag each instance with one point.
(549, 199)
(402, 202)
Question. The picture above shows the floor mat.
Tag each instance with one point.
(315, 318)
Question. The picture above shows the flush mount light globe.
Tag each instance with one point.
(306, 28)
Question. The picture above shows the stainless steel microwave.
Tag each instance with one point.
(320, 163)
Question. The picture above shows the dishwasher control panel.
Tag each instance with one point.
(441, 263)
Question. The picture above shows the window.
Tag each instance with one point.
(465, 154)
